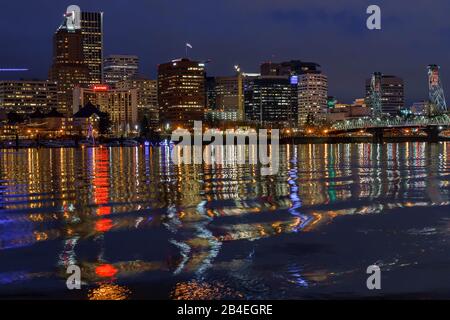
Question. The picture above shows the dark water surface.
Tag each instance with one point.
(142, 227)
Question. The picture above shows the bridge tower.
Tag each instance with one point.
(436, 91)
(375, 94)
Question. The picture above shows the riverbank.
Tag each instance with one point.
(368, 139)
(146, 142)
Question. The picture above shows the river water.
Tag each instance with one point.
(140, 227)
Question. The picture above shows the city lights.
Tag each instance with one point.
(224, 155)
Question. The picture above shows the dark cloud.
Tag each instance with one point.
(333, 33)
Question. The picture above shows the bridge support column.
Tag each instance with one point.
(377, 134)
(433, 133)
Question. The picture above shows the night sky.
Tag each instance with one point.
(248, 32)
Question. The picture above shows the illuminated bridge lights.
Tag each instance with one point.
(394, 122)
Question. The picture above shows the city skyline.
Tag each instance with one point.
(283, 36)
(244, 153)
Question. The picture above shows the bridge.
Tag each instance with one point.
(376, 126)
(438, 120)
(367, 123)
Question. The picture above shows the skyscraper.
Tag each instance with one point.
(92, 38)
(312, 97)
(225, 99)
(147, 98)
(288, 68)
(210, 85)
(392, 93)
(68, 68)
(271, 100)
(312, 86)
(181, 92)
(119, 68)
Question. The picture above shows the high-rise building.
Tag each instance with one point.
(312, 86)
(119, 68)
(68, 68)
(181, 92)
(392, 94)
(210, 84)
(147, 98)
(27, 96)
(271, 69)
(312, 97)
(92, 38)
(272, 100)
(77, 54)
(288, 68)
(226, 103)
(121, 105)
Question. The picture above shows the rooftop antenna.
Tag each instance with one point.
(188, 46)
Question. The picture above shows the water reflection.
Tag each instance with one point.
(107, 291)
(196, 290)
(123, 213)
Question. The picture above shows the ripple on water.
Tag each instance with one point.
(132, 209)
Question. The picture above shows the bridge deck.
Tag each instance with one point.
(370, 123)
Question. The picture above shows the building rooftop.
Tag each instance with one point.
(37, 114)
(87, 111)
(54, 114)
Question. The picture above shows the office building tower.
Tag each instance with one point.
(68, 69)
(92, 39)
(271, 100)
(210, 87)
(312, 97)
(226, 101)
(312, 86)
(120, 68)
(392, 94)
(120, 105)
(289, 68)
(147, 98)
(181, 92)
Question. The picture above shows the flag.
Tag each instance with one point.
(189, 45)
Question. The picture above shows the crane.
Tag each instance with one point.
(240, 76)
